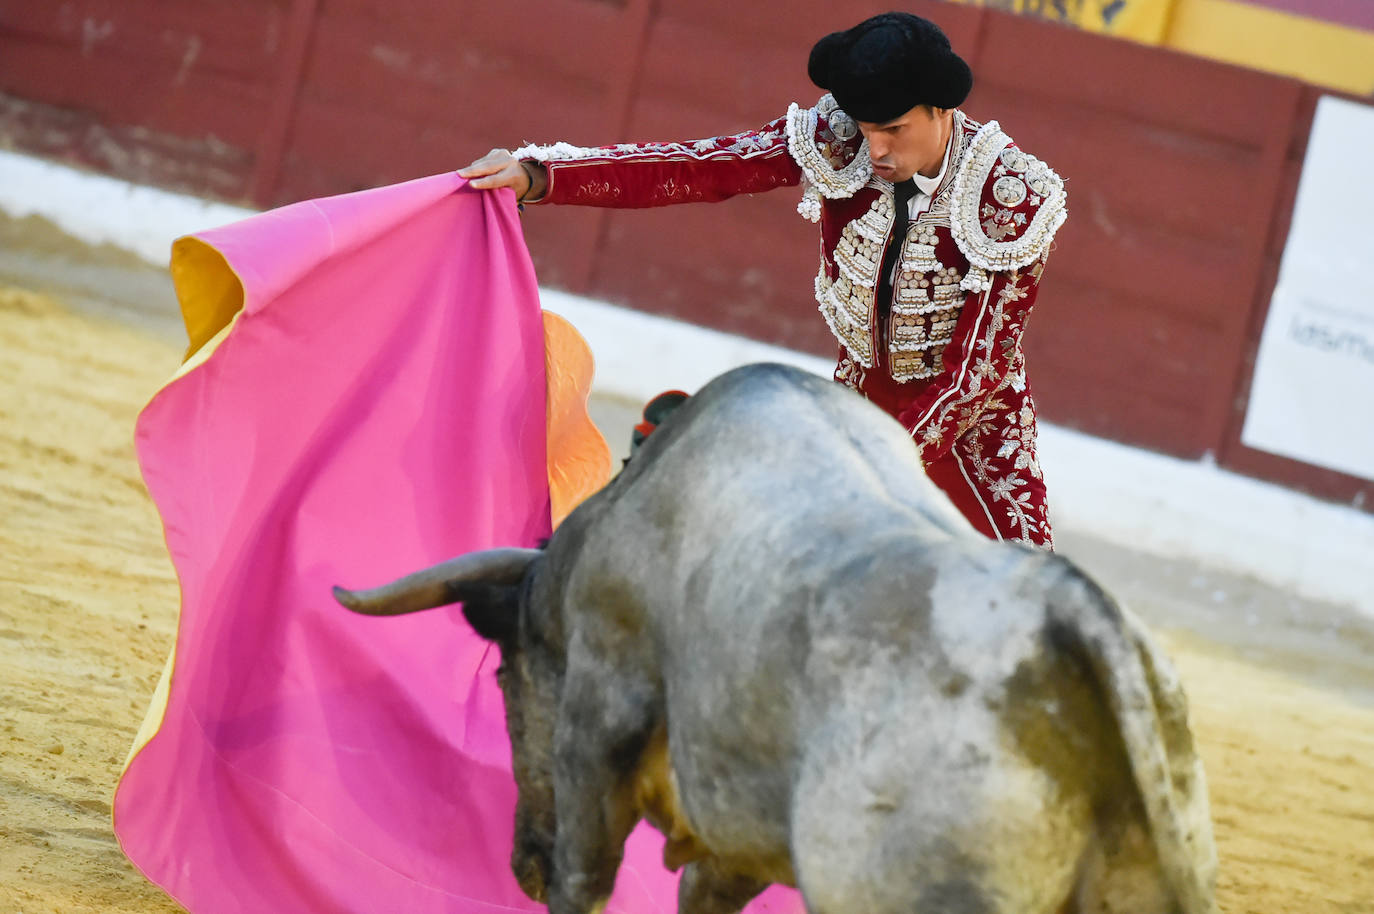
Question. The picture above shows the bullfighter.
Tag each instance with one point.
(935, 230)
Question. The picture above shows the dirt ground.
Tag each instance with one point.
(1282, 689)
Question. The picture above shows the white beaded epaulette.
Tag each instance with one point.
(821, 176)
(1020, 177)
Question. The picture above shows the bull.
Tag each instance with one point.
(773, 638)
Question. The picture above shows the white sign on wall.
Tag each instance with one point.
(1312, 397)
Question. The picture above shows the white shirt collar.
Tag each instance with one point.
(928, 186)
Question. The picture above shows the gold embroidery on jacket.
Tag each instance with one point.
(846, 302)
(926, 295)
(961, 409)
(993, 238)
(1000, 474)
(925, 310)
(829, 167)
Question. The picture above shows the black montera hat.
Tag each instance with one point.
(885, 66)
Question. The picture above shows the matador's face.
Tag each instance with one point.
(914, 142)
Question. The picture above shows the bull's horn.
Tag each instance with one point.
(440, 584)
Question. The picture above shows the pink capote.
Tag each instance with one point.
(376, 405)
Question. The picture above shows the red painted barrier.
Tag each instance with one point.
(1181, 171)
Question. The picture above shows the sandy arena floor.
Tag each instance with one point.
(1282, 689)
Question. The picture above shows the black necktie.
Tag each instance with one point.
(903, 193)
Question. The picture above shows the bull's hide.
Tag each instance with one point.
(774, 638)
(365, 394)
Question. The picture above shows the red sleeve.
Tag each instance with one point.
(659, 174)
(985, 349)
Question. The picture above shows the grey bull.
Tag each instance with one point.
(771, 636)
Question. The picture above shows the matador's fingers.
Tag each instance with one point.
(492, 163)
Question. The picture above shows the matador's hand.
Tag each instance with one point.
(499, 168)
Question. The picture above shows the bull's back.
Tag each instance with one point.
(768, 452)
(767, 493)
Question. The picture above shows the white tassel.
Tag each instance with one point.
(977, 280)
(810, 205)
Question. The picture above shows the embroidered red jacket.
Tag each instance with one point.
(946, 359)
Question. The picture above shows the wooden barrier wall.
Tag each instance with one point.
(1181, 171)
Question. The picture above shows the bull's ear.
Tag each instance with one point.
(491, 609)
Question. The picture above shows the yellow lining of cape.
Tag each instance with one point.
(579, 461)
(211, 297)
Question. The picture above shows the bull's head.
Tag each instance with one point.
(495, 589)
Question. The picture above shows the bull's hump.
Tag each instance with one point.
(987, 614)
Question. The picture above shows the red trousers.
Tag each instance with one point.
(990, 470)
